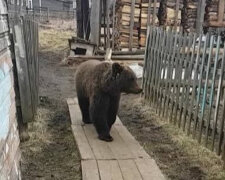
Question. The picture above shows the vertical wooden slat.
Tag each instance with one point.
(193, 95)
(149, 12)
(178, 106)
(203, 108)
(176, 14)
(218, 99)
(152, 84)
(153, 65)
(150, 59)
(200, 15)
(196, 113)
(178, 75)
(154, 13)
(221, 128)
(161, 71)
(186, 62)
(170, 72)
(146, 61)
(187, 101)
(158, 66)
(165, 55)
(131, 24)
(113, 28)
(211, 97)
(175, 75)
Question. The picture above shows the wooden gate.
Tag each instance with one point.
(25, 41)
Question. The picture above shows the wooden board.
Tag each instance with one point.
(82, 143)
(75, 113)
(90, 170)
(129, 170)
(123, 158)
(100, 149)
(109, 170)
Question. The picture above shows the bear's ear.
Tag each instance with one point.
(116, 69)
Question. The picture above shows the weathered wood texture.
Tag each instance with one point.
(123, 158)
(25, 41)
(184, 80)
(182, 15)
(9, 137)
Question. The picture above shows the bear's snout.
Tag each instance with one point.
(135, 90)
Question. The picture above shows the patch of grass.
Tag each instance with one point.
(54, 40)
(208, 160)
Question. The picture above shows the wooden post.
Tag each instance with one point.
(176, 14)
(95, 21)
(149, 12)
(108, 24)
(85, 18)
(200, 16)
(79, 20)
(131, 24)
(113, 28)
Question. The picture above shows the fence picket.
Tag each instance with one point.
(215, 119)
(194, 83)
(196, 113)
(211, 97)
(165, 44)
(182, 81)
(170, 72)
(159, 60)
(175, 75)
(203, 106)
(178, 106)
(166, 72)
(152, 84)
(184, 89)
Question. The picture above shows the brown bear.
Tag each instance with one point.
(99, 85)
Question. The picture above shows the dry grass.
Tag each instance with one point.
(54, 39)
(208, 160)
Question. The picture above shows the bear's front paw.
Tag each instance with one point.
(106, 138)
(87, 121)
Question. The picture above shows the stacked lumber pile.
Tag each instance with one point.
(144, 19)
(167, 13)
(189, 15)
(123, 13)
(211, 12)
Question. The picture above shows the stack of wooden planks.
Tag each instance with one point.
(213, 12)
(189, 15)
(124, 8)
(167, 13)
(144, 18)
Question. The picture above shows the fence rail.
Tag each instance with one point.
(184, 80)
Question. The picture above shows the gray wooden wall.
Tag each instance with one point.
(9, 137)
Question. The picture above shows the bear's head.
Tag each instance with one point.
(125, 79)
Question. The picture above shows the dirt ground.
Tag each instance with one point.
(51, 152)
(178, 156)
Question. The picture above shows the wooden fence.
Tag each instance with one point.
(184, 80)
(25, 54)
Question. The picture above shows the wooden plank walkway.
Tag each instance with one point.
(121, 159)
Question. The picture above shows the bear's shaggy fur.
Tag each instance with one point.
(98, 86)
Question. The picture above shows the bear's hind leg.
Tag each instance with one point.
(84, 107)
(98, 113)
